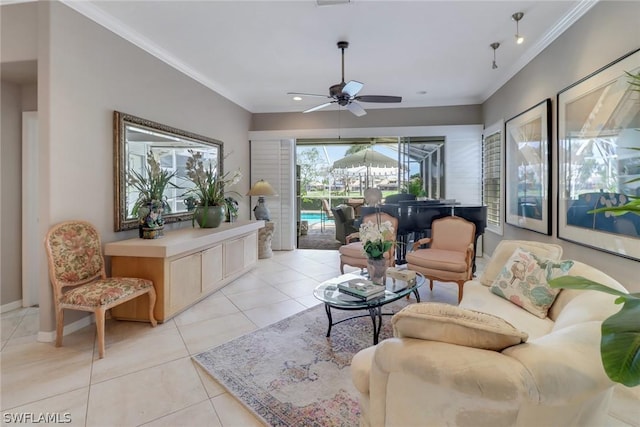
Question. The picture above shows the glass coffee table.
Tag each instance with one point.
(328, 293)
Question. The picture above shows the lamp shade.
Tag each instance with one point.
(262, 188)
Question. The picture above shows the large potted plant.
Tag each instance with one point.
(151, 202)
(208, 190)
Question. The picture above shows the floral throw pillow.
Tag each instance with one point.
(524, 281)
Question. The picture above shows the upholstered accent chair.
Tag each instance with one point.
(449, 257)
(77, 274)
(344, 217)
(352, 253)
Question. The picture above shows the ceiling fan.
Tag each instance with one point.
(346, 94)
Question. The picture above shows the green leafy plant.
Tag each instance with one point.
(376, 238)
(209, 186)
(151, 185)
(620, 341)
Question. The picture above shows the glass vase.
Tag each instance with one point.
(377, 269)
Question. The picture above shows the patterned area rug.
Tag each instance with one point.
(290, 374)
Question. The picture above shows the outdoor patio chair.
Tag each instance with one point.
(325, 214)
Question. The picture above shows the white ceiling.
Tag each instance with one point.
(254, 52)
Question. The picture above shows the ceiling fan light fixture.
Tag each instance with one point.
(494, 46)
(517, 17)
(345, 94)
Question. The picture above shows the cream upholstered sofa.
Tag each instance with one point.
(555, 378)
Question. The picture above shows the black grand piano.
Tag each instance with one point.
(415, 217)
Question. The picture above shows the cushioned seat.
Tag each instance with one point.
(449, 257)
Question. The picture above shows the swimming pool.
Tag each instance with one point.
(312, 217)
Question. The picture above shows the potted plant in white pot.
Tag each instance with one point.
(209, 190)
(151, 202)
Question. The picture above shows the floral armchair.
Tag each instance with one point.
(77, 274)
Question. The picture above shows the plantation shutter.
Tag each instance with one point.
(274, 161)
(492, 180)
(463, 168)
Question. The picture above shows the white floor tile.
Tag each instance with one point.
(200, 414)
(145, 395)
(232, 413)
(68, 408)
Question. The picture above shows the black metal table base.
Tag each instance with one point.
(375, 313)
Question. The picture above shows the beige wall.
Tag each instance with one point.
(84, 73)
(402, 117)
(19, 41)
(605, 33)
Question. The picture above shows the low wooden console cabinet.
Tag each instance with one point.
(185, 265)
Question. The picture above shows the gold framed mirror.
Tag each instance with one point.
(134, 139)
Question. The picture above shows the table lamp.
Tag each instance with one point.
(261, 188)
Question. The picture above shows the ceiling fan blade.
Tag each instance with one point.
(318, 107)
(378, 98)
(352, 88)
(307, 94)
(356, 109)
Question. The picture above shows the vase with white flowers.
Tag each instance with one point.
(377, 239)
(209, 189)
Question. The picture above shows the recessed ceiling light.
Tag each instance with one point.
(297, 98)
(331, 2)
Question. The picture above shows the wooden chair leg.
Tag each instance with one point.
(460, 290)
(431, 284)
(341, 267)
(100, 315)
(59, 326)
(152, 304)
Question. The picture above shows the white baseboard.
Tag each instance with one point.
(11, 306)
(50, 336)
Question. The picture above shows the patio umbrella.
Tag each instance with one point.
(365, 159)
(368, 158)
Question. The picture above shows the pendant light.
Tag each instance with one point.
(517, 17)
(494, 46)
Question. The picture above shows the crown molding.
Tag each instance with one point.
(560, 27)
(97, 15)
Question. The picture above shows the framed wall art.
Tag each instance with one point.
(528, 159)
(599, 158)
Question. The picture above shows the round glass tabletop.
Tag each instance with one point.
(395, 289)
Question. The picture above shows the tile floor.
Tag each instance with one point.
(148, 378)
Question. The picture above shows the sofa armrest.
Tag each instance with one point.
(566, 363)
(467, 369)
(419, 382)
